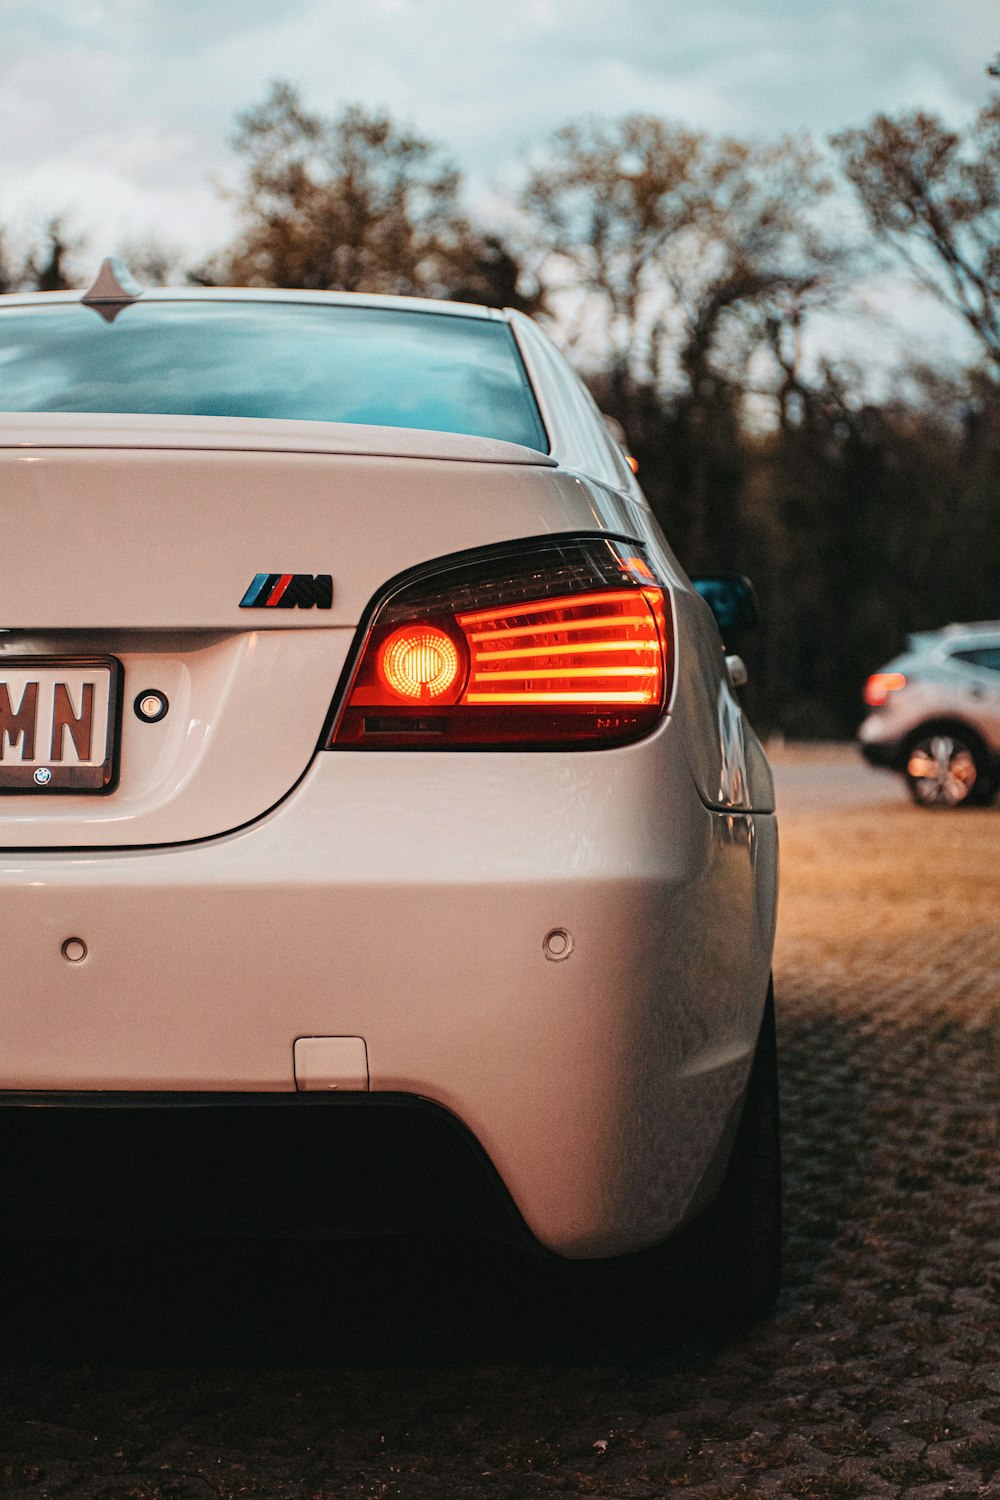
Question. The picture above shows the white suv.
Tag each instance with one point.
(936, 715)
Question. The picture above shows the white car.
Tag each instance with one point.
(374, 786)
(935, 715)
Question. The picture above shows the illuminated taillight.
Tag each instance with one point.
(880, 685)
(420, 663)
(598, 648)
(561, 643)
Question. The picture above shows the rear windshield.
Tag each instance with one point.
(309, 361)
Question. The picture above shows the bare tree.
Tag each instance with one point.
(483, 268)
(753, 246)
(9, 275)
(671, 235)
(153, 262)
(603, 205)
(46, 267)
(354, 203)
(933, 195)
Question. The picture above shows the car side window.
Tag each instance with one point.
(589, 444)
(983, 656)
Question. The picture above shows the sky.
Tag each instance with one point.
(118, 114)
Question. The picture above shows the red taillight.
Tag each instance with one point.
(420, 663)
(598, 648)
(880, 685)
(565, 644)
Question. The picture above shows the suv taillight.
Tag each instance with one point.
(560, 643)
(880, 685)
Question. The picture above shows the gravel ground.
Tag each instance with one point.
(192, 1370)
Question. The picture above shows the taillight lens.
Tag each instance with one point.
(880, 685)
(563, 643)
(420, 663)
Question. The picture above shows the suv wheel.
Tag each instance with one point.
(946, 767)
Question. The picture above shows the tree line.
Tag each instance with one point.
(693, 279)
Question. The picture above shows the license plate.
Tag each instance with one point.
(58, 718)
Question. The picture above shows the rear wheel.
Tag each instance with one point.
(947, 767)
(726, 1265)
(739, 1236)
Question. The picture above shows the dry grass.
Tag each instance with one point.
(862, 890)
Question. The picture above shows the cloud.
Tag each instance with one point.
(123, 109)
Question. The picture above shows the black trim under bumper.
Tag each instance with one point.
(274, 1165)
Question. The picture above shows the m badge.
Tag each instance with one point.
(289, 591)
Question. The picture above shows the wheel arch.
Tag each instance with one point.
(948, 724)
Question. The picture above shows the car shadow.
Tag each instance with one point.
(430, 1300)
(830, 1103)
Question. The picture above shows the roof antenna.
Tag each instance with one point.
(114, 288)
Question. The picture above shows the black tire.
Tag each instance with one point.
(740, 1235)
(725, 1266)
(956, 766)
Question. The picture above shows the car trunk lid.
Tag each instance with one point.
(138, 541)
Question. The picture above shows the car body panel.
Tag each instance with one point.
(125, 431)
(196, 525)
(404, 899)
(155, 553)
(275, 294)
(578, 436)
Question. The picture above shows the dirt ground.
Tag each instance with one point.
(195, 1370)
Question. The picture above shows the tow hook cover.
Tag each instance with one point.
(331, 1062)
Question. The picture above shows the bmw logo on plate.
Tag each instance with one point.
(43, 775)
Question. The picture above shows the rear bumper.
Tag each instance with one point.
(404, 899)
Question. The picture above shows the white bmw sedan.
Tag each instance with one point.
(383, 843)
